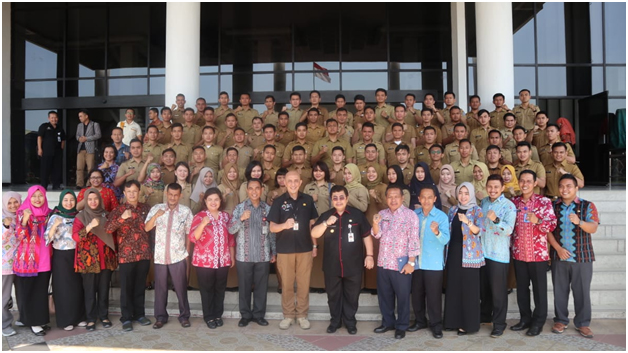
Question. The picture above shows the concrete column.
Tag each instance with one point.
(183, 46)
(6, 93)
(494, 37)
(459, 53)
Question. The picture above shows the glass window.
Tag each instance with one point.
(84, 88)
(263, 82)
(316, 35)
(616, 80)
(157, 35)
(471, 78)
(226, 85)
(128, 39)
(209, 87)
(37, 43)
(409, 80)
(525, 78)
(85, 41)
(615, 31)
(597, 80)
(353, 81)
(210, 33)
(128, 86)
(364, 34)
(45, 89)
(523, 29)
(304, 82)
(157, 85)
(376, 65)
(551, 33)
(334, 84)
(209, 69)
(552, 81)
(614, 104)
(34, 118)
(40, 62)
(595, 18)
(309, 66)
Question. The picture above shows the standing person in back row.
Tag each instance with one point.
(87, 135)
(50, 145)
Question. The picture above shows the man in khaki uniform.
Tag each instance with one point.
(298, 165)
(402, 152)
(130, 169)
(213, 152)
(314, 130)
(494, 159)
(408, 133)
(315, 101)
(471, 118)
(371, 160)
(152, 147)
(463, 168)
(191, 131)
(413, 116)
(284, 135)
(450, 101)
(509, 142)
(553, 136)
(359, 103)
(178, 109)
(359, 149)
(525, 112)
(518, 133)
(429, 102)
(524, 162)
(201, 104)
(497, 115)
(269, 167)
(295, 112)
(245, 113)
(378, 133)
(495, 138)
(270, 116)
(341, 102)
(224, 138)
(255, 136)
(221, 112)
(245, 153)
(447, 131)
(427, 116)
(163, 130)
(345, 131)
(299, 140)
(384, 113)
(182, 150)
(422, 152)
(269, 136)
(436, 157)
(391, 147)
(452, 152)
(558, 168)
(537, 136)
(323, 147)
(479, 136)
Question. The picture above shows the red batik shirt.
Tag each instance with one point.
(529, 240)
(211, 250)
(133, 240)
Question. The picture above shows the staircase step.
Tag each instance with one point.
(608, 245)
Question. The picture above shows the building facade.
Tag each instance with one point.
(110, 56)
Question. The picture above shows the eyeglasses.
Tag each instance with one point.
(436, 152)
(338, 198)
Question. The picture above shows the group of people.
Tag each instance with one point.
(392, 200)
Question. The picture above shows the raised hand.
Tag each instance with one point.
(126, 214)
(332, 220)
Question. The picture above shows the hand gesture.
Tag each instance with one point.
(491, 215)
(532, 218)
(129, 172)
(159, 213)
(93, 224)
(7, 221)
(323, 149)
(574, 219)
(434, 227)
(563, 253)
(126, 155)
(332, 220)
(197, 169)
(206, 220)
(267, 178)
(384, 114)
(273, 258)
(314, 252)
(447, 193)
(27, 213)
(407, 269)
(561, 170)
(315, 197)
(256, 152)
(505, 107)
(149, 191)
(57, 221)
(372, 193)
(227, 191)
(265, 114)
(377, 218)
(149, 158)
(536, 127)
(289, 223)
(284, 108)
(245, 215)
(332, 174)
(368, 262)
(126, 214)
(511, 190)
(238, 109)
(463, 218)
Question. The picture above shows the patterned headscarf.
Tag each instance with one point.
(154, 184)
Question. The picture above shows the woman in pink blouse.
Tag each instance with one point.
(214, 254)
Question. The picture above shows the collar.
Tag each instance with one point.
(343, 212)
(176, 209)
(248, 202)
(499, 199)
(576, 201)
(246, 110)
(527, 163)
(431, 213)
(399, 210)
(127, 205)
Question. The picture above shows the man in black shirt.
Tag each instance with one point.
(50, 144)
(347, 233)
(291, 217)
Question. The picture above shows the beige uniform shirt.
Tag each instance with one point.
(452, 153)
(271, 172)
(539, 138)
(154, 149)
(245, 155)
(271, 118)
(255, 141)
(389, 109)
(472, 122)
(422, 154)
(447, 116)
(545, 153)
(191, 135)
(533, 166)
(279, 150)
(507, 134)
(497, 118)
(177, 116)
(463, 173)
(479, 137)
(314, 133)
(213, 156)
(165, 134)
(285, 136)
(332, 114)
(326, 141)
(408, 172)
(183, 151)
(380, 169)
(220, 114)
(287, 154)
(526, 116)
(130, 164)
(419, 133)
(535, 154)
(391, 155)
(409, 132)
(505, 153)
(553, 175)
(295, 117)
(359, 150)
(245, 118)
(411, 118)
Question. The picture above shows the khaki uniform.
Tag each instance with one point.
(448, 130)
(168, 176)
(472, 122)
(256, 141)
(326, 141)
(447, 116)
(408, 133)
(553, 175)
(285, 136)
(199, 119)
(391, 155)
(539, 138)
(213, 156)
(151, 200)
(379, 119)
(359, 198)
(332, 114)
(545, 153)
(434, 122)
(272, 118)
(497, 119)
(154, 149)
(419, 133)
(314, 133)
(295, 117)
(410, 118)
(245, 155)
(359, 150)
(183, 151)
(452, 154)
(177, 116)
(337, 177)
(279, 150)
(229, 140)
(348, 133)
(220, 114)
(287, 154)
(495, 171)
(508, 134)
(505, 153)
(165, 134)
(191, 134)
(463, 173)
(271, 172)
(422, 154)
(533, 166)
(245, 118)
(435, 172)
(231, 200)
(322, 117)
(534, 154)
(408, 172)
(358, 118)
(380, 169)
(526, 116)
(130, 164)
(479, 137)
(305, 173)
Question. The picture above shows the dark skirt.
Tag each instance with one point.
(32, 299)
(462, 296)
(67, 289)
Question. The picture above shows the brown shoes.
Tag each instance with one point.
(585, 331)
(559, 327)
(158, 325)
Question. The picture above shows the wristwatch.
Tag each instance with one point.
(411, 263)
(325, 223)
(496, 220)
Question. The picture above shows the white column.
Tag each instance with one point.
(6, 92)
(494, 37)
(459, 53)
(183, 47)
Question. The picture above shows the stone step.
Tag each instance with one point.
(595, 195)
(609, 245)
(609, 261)
(610, 206)
(605, 230)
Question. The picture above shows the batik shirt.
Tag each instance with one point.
(398, 237)
(171, 231)
(254, 241)
(570, 236)
(133, 240)
(211, 250)
(496, 236)
(529, 240)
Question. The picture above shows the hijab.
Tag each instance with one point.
(451, 186)
(6, 197)
(233, 185)
(514, 183)
(357, 178)
(87, 215)
(480, 185)
(399, 174)
(372, 184)
(472, 203)
(200, 188)
(63, 212)
(567, 134)
(417, 185)
(153, 184)
(42, 211)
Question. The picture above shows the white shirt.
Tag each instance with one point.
(130, 131)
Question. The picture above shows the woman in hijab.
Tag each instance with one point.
(230, 187)
(67, 285)
(11, 201)
(32, 263)
(152, 191)
(95, 258)
(358, 194)
(511, 183)
(567, 134)
(394, 175)
(422, 179)
(447, 187)
(463, 261)
(480, 177)
(205, 181)
(96, 177)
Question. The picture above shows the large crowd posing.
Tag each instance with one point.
(390, 200)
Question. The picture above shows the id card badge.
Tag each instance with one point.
(350, 237)
(295, 226)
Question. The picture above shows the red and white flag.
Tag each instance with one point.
(321, 73)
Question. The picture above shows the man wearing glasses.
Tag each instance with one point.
(346, 232)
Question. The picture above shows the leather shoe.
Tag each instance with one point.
(185, 323)
(219, 322)
(352, 330)
(127, 326)
(415, 327)
(399, 334)
(261, 321)
(158, 325)
(382, 329)
(462, 333)
(534, 331)
(437, 332)
(496, 333)
(144, 321)
(331, 328)
(520, 326)
(211, 324)
(243, 322)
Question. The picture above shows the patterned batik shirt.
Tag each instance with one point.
(254, 241)
(211, 250)
(133, 240)
(171, 231)
(398, 237)
(570, 236)
(495, 237)
(529, 240)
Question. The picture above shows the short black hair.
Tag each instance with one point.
(338, 188)
(436, 145)
(208, 128)
(495, 177)
(338, 96)
(153, 127)
(169, 150)
(524, 90)
(524, 143)
(130, 183)
(496, 95)
(359, 97)
(509, 114)
(402, 146)
(174, 186)
(239, 129)
(331, 120)
(84, 111)
(295, 94)
(368, 124)
(135, 140)
(371, 145)
(559, 144)
(256, 180)
(454, 107)
(394, 187)
(324, 167)
(425, 110)
(460, 124)
(495, 131)
(381, 90)
(198, 148)
(398, 125)
(399, 105)
(176, 125)
(188, 109)
(271, 97)
(208, 109)
(165, 109)
(249, 169)
(284, 171)
(300, 124)
(552, 125)
(269, 126)
(492, 147)
(53, 112)
(231, 149)
(429, 128)
(568, 177)
(429, 94)
(518, 127)
(270, 146)
(338, 148)
(474, 96)
(449, 92)
(411, 95)
(528, 171)
(315, 91)
(115, 152)
(298, 148)
(465, 141)
(154, 110)
(282, 114)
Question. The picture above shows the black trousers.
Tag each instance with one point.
(32, 299)
(427, 287)
(212, 283)
(132, 289)
(96, 291)
(343, 294)
(50, 168)
(178, 274)
(494, 293)
(393, 285)
(253, 274)
(535, 272)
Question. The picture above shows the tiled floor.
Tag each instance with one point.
(610, 335)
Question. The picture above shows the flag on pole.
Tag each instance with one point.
(321, 73)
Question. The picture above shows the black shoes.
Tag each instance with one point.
(399, 334)
(415, 327)
(243, 322)
(534, 331)
(520, 326)
(382, 329)
(219, 322)
(462, 333)
(211, 324)
(261, 321)
(127, 326)
(352, 330)
(332, 328)
(106, 323)
(144, 321)
(437, 332)
(496, 332)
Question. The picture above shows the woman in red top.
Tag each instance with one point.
(95, 258)
(109, 200)
(214, 254)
